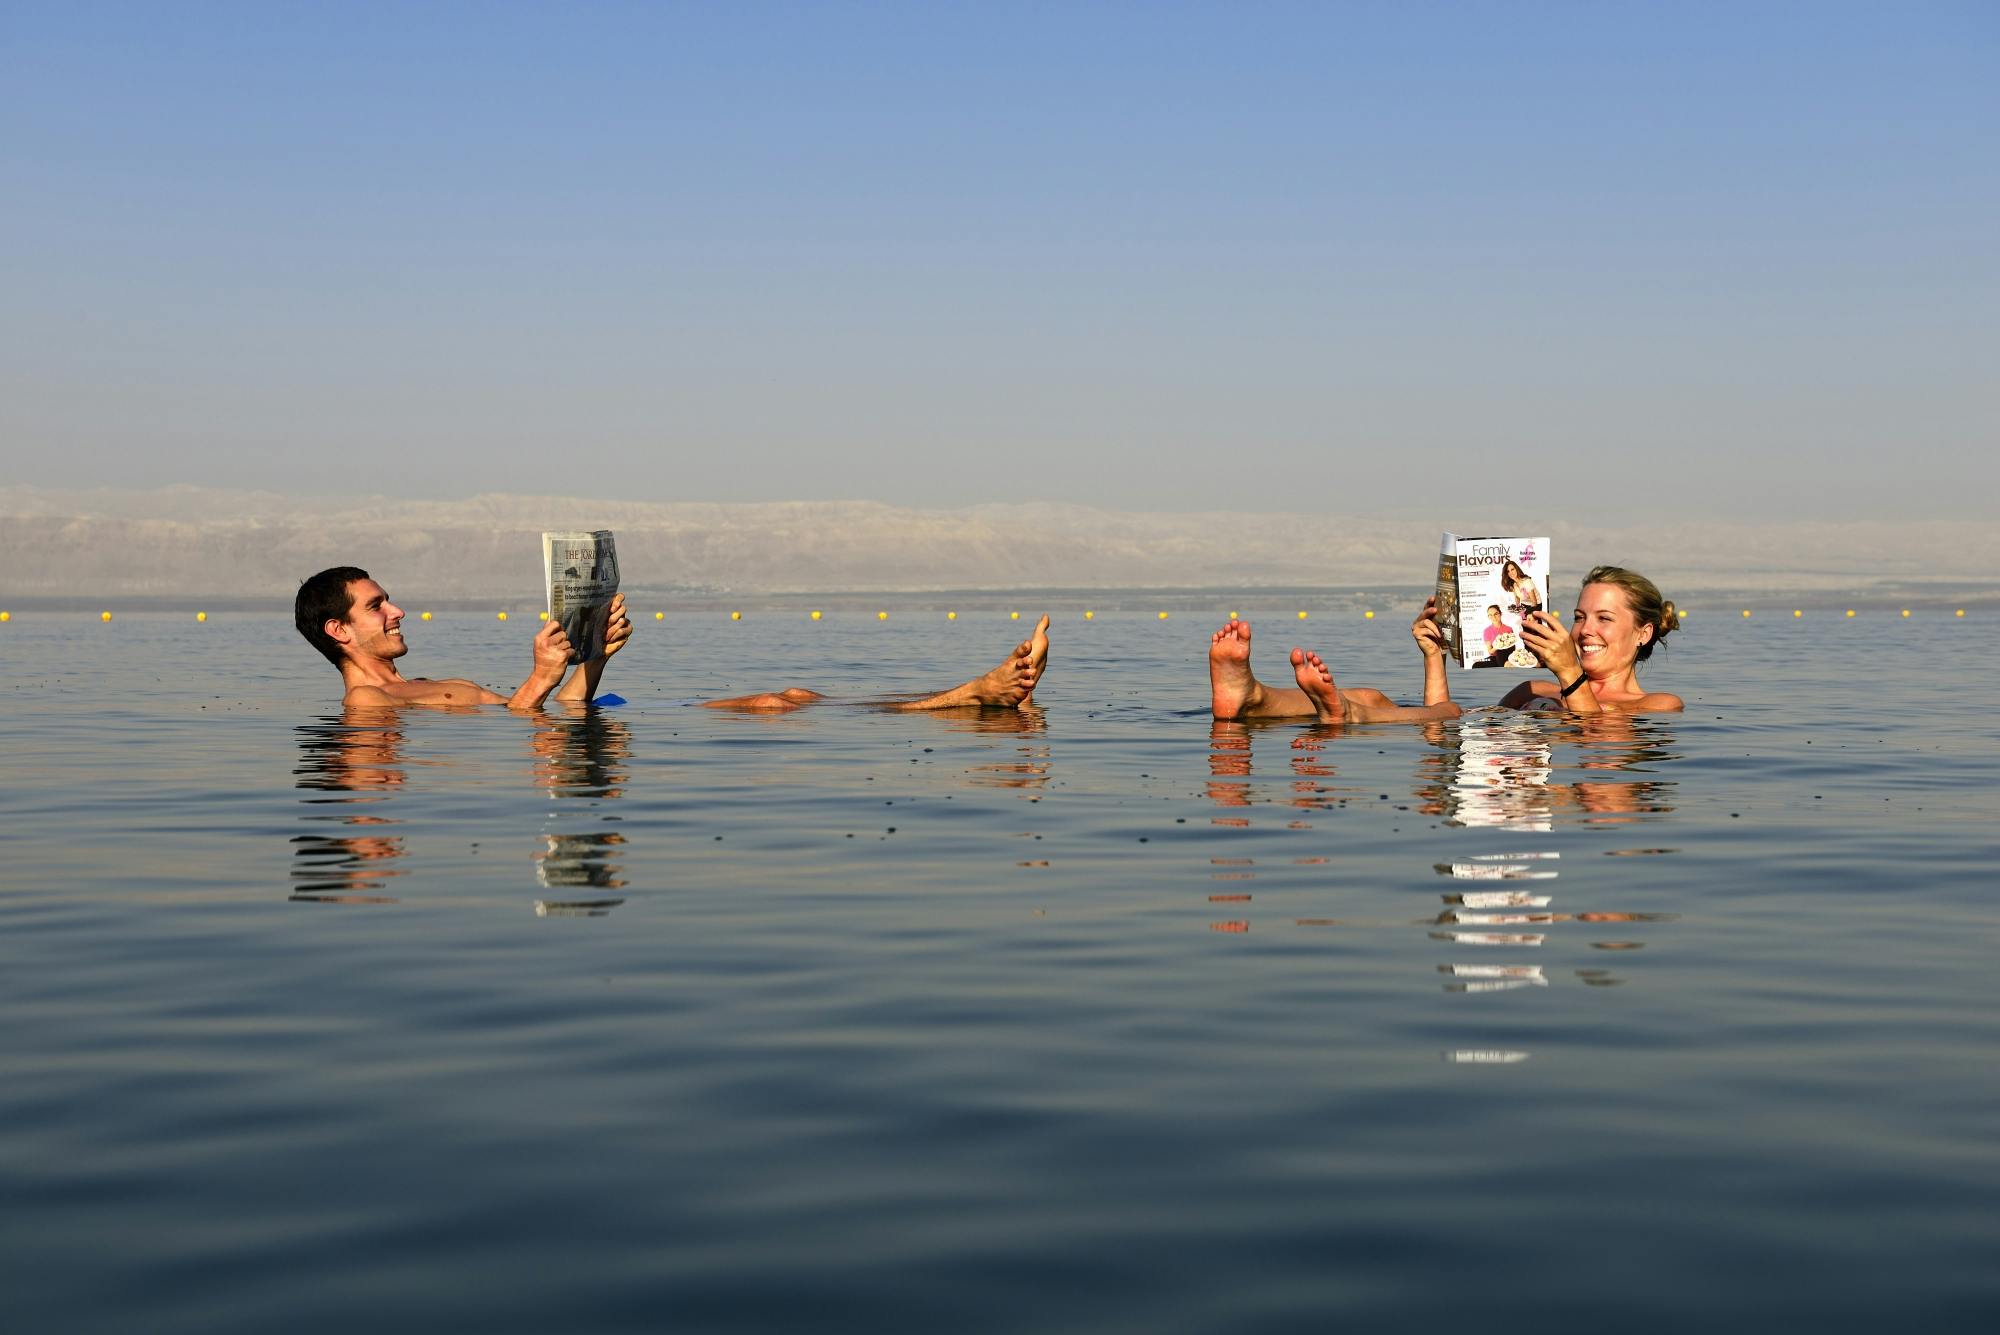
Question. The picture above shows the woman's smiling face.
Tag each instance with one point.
(1606, 631)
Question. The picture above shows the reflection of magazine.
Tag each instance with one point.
(1485, 587)
(580, 571)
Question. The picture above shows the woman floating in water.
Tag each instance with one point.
(1620, 616)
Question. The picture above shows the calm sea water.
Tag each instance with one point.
(1101, 1017)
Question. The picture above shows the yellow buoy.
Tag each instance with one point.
(659, 616)
(1906, 611)
(815, 616)
(735, 616)
(104, 616)
(1163, 616)
(1232, 616)
(1959, 612)
(1013, 616)
(1302, 616)
(951, 616)
(881, 616)
(1797, 612)
(1367, 616)
(427, 616)
(1746, 611)
(203, 616)
(502, 615)
(1850, 611)
(9, 616)
(544, 616)
(1092, 616)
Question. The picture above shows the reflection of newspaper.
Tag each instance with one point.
(1492, 970)
(580, 571)
(1491, 938)
(1500, 775)
(1499, 899)
(1492, 871)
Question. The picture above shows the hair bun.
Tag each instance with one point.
(1670, 618)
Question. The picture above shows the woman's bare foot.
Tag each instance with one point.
(1008, 686)
(1230, 680)
(1316, 680)
(1235, 689)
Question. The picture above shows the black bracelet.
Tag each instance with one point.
(1570, 689)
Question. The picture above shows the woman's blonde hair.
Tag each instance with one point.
(1643, 597)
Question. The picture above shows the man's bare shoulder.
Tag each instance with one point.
(424, 691)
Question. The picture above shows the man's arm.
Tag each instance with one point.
(582, 684)
(551, 658)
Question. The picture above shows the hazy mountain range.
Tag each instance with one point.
(193, 541)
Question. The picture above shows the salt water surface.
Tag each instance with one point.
(1098, 1016)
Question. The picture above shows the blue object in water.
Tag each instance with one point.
(607, 700)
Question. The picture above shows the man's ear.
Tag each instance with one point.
(338, 630)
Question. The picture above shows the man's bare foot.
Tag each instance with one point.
(790, 698)
(1229, 677)
(1010, 685)
(1316, 680)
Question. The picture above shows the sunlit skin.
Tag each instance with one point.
(371, 637)
(1235, 692)
(1602, 645)
(1009, 685)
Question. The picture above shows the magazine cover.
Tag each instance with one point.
(581, 573)
(1484, 587)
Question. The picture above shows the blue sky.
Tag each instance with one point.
(1738, 257)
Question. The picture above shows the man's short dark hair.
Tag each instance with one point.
(321, 599)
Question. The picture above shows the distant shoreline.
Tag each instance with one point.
(1887, 594)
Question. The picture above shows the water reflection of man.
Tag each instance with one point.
(359, 761)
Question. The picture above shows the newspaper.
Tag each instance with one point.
(580, 571)
(1485, 586)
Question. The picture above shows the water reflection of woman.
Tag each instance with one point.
(1497, 771)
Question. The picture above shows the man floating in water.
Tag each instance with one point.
(348, 617)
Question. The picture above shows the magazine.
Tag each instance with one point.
(580, 571)
(1485, 586)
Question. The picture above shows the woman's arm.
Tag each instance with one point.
(1546, 638)
(1430, 639)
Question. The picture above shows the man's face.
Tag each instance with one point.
(373, 628)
